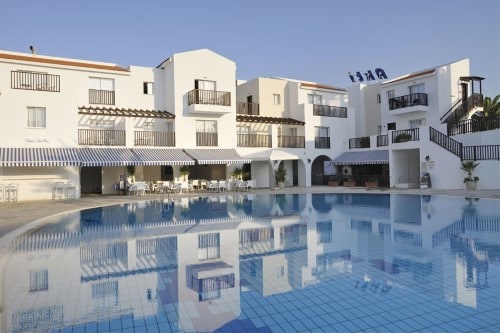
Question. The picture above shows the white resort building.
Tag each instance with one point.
(71, 127)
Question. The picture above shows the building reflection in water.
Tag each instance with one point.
(188, 259)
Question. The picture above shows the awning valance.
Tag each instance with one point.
(216, 156)
(162, 156)
(107, 157)
(271, 155)
(32, 157)
(363, 157)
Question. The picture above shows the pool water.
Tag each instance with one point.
(260, 263)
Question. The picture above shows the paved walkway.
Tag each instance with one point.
(17, 214)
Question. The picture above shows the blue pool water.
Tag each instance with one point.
(260, 263)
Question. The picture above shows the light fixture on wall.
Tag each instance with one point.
(427, 158)
(308, 160)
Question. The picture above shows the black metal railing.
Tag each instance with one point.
(329, 111)
(254, 140)
(154, 138)
(474, 125)
(207, 139)
(106, 97)
(212, 97)
(382, 140)
(34, 81)
(446, 142)
(247, 108)
(461, 108)
(291, 141)
(101, 137)
(363, 142)
(322, 142)
(407, 100)
(412, 134)
(486, 152)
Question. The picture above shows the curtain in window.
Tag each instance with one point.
(321, 132)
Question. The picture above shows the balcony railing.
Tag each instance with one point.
(101, 137)
(247, 108)
(212, 97)
(329, 111)
(154, 138)
(254, 140)
(34, 81)
(293, 141)
(363, 142)
(106, 97)
(382, 140)
(322, 142)
(412, 134)
(474, 125)
(407, 100)
(206, 139)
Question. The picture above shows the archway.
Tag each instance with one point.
(318, 176)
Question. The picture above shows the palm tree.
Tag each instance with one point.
(469, 166)
(491, 107)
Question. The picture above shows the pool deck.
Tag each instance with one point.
(14, 215)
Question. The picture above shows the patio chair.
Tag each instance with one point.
(242, 186)
(222, 185)
(213, 186)
(251, 184)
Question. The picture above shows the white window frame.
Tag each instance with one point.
(416, 123)
(102, 83)
(315, 99)
(391, 94)
(207, 85)
(36, 117)
(147, 88)
(206, 126)
(276, 99)
(416, 89)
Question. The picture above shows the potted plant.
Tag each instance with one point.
(402, 137)
(349, 182)
(280, 175)
(470, 181)
(238, 173)
(184, 170)
(131, 173)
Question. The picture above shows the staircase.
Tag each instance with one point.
(461, 109)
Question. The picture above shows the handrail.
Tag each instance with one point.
(463, 109)
(446, 142)
(475, 125)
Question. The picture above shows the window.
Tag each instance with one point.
(315, 99)
(391, 94)
(276, 99)
(293, 131)
(39, 280)
(204, 85)
(321, 132)
(148, 88)
(416, 123)
(416, 89)
(36, 117)
(391, 126)
(100, 83)
(378, 99)
(206, 126)
(208, 246)
(243, 129)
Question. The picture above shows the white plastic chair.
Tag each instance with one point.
(251, 184)
(222, 185)
(213, 186)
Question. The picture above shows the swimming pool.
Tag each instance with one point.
(260, 263)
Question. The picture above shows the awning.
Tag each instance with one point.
(107, 157)
(162, 156)
(271, 155)
(363, 157)
(216, 156)
(29, 157)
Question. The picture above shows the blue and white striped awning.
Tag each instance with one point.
(363, 157)
(162, 156)
(216, 156)
(107, 157)
(36, 157)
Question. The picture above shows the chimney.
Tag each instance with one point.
(33, 50)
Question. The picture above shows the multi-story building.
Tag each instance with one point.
(84, 126)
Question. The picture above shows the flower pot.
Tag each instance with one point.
(333, 183)
(349, 183)
(281, 185)
(470, 184)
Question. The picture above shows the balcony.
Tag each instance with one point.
(410, 103)
(405, 135)
(154, 138)
(287, 141)
(254, 140)
(247, 108)
(209, 101)
(363, 142)
(101, 137)
(106, 97)
(329, 111)
(322, 142)
(382, 140)
(34, 81)
(205, 139)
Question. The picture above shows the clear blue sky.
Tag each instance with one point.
(311, 40)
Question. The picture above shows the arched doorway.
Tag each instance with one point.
(318, 176)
